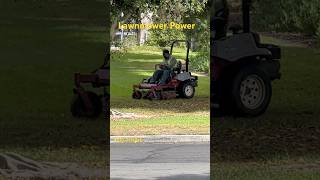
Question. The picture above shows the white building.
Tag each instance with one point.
(142, 35)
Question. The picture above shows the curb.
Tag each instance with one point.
(161, 139)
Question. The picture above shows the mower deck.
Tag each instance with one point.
(154, 91)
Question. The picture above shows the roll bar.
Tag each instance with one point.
(246, 4)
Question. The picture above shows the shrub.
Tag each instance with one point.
(200, 62)
(128, 42)
(287, 15)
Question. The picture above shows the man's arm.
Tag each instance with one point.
(163, 64)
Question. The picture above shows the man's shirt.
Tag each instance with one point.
(170, 63)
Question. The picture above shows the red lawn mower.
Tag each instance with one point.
(88, 103)
(181, 83)
(242, 66)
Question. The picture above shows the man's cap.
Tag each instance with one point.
(166, 51)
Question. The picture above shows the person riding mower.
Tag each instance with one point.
(171, 79)
(242, 66)
(166, 68)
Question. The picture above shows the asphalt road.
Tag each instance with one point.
(160, 161)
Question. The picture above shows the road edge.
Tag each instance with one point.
(161, 139)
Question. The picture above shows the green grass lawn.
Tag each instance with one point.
(42, 45)
(175, 116)
(267, 171)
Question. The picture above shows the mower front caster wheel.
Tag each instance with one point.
(79, 108)
(136, 95)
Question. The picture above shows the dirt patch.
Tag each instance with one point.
(14, 166)
(114, 115)
(201, 74)
(295, 38)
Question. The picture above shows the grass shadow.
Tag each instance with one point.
(38, 63)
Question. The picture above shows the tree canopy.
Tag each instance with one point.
(162, 10)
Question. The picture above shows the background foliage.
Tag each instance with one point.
(164, 38)
(166, 11)
(302, 16)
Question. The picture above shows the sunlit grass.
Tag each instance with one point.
(196, 123)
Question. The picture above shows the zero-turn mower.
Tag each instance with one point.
(181, 83)
(88, 103)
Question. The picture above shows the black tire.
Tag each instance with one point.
(187, 90)
(224, 97)
(137, 95)
(251, 92)
(106, 104)
(79, 110)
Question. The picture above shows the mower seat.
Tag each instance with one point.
(235, 28)
(178, 69)
(275, 50)
(256, 38)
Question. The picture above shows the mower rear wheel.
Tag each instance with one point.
(187, 90)
(251, 91)
(79, 109)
